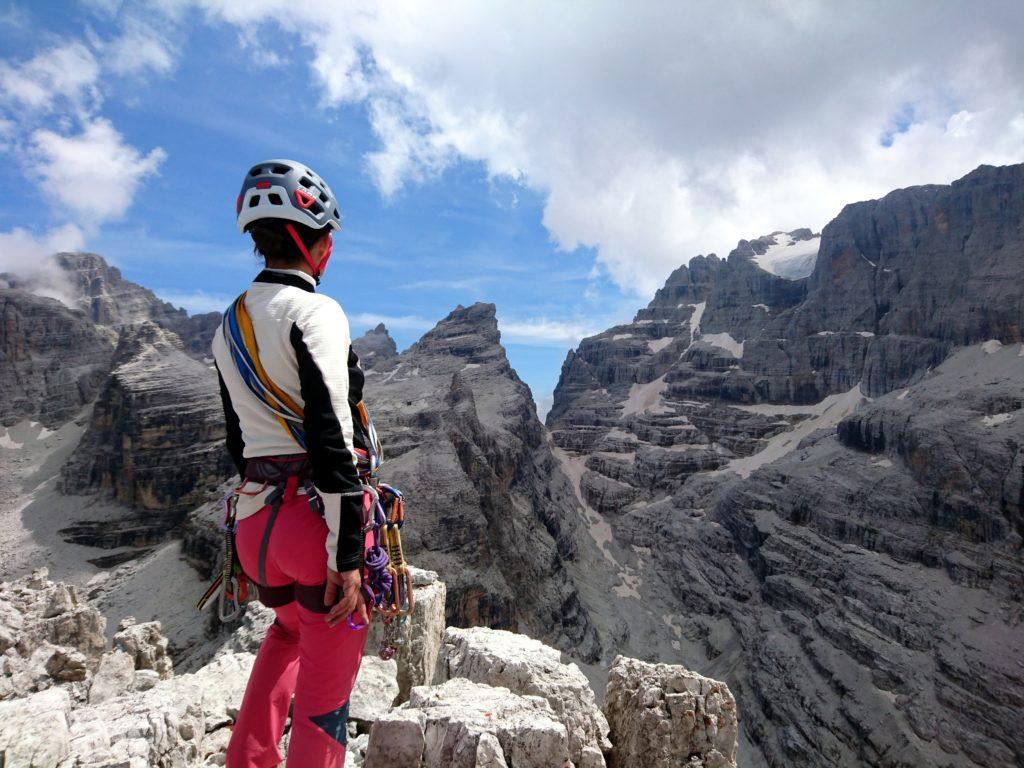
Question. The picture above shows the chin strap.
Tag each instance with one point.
(317, 271)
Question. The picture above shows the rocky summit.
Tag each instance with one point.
(818, 480)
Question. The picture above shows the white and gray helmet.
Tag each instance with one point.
(285, 189)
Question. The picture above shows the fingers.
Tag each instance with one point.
(341, 611)
(331, 593)
(361, 615)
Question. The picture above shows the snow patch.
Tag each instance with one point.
(824, 415)
(991, 346)
(865, 334)
(656, 345)
(698, 313)
(825, 333)
(903, 394)
(789, 258)
(999, 418)
(725, 341)
(644, 396)
(8, 443)
(760, 306)
(618, 336)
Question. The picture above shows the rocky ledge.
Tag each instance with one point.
(476, 698)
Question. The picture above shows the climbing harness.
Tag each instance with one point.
(386, 582)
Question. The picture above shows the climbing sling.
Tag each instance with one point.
(386, 583)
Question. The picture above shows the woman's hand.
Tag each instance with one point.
(350, 586)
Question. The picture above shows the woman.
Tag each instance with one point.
(289, 382)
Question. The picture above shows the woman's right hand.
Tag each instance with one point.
(349, 584)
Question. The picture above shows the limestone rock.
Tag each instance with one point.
(155, 441)
(114, 676)
(468, 725)
(375, 691)
(145, 644)
(664, 715)
(376, 349)
(34, 731)
(529, 668)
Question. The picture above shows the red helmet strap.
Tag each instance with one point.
(317, 271)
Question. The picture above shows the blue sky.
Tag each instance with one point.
(558, 159)
(406, 259)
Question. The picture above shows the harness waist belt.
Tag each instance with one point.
(275, 470)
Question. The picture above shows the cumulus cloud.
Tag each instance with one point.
(660, 130)
(544, 332)
(94, 173)
(66, 71)
(138, 49)
(30, 257)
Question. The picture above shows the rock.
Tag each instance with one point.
(82, 628)
(465, 445)
(420, 635)
(664, 715)
(61, 599)
(145, 644)
(114, 676)
(376, 349)
(375, 691)
(527, 667)
(159, 409)
(461, 723)
(34, 731)
(67, 666)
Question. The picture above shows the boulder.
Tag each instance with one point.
(34, 731)
(664, 715)
(145, 644)
(462, 724)
(375, 691)
(529, 668)
(114, 676)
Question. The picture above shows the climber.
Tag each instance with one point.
(290, 385)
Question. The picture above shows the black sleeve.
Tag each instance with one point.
(233, 440)
(328, 427)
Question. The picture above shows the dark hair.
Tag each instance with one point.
(272, 241)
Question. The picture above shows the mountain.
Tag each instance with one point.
(821, 478)
(489, 505)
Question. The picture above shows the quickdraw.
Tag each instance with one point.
(387, 583)
(231, 588)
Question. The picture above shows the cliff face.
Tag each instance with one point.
(155, 440)
(490, 507)
(52, 359)
(822, 485)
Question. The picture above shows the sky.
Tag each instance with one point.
(557, 159)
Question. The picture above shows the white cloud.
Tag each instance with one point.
(196, 301)
(658, 131)
(94, 173)
(393, 322)
(67, 71)
(544, 332)
(31, 259)
(137, 50)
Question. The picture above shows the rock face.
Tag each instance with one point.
(527, 667)
(155, 441)
(492, 509)
(53, 360)
(376, 349)
(663, 715)
(824, 500)
(462, 723)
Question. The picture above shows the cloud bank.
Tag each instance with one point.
(660, 130)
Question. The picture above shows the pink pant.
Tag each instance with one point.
(300, 655)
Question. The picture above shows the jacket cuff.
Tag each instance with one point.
(349, 554)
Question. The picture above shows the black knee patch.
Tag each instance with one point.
(311, 597)
(334, 723)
